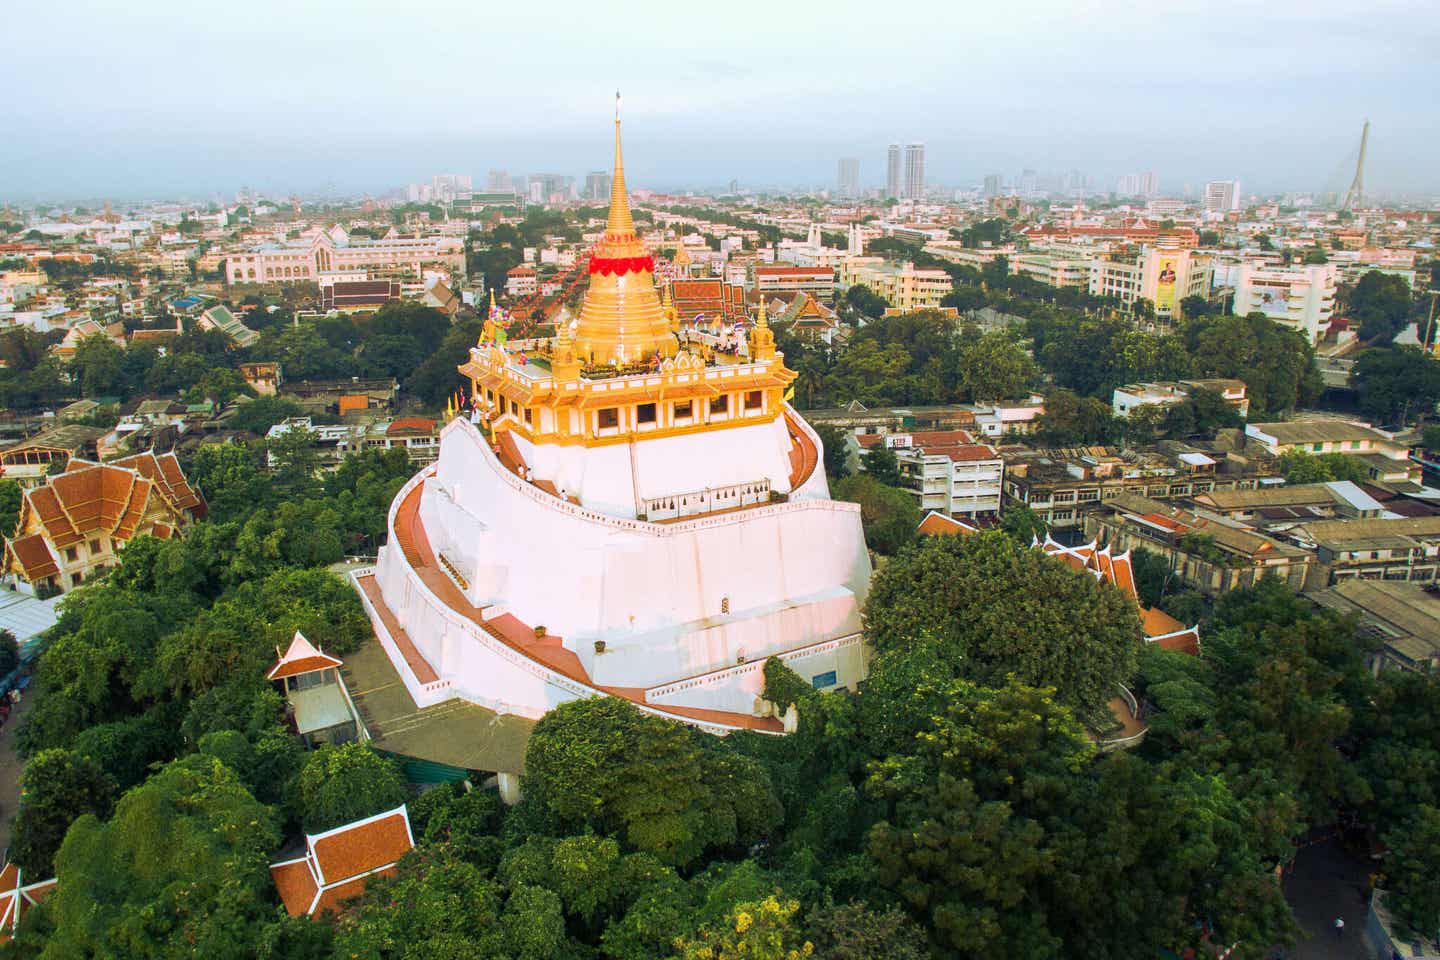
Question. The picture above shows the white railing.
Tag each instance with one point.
(709, 500)
(726, 674)
(621, 523)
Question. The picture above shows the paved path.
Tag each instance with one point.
(1328, 883)
(10, 766)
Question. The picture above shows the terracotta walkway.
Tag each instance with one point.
(514, 633)
(803, 455)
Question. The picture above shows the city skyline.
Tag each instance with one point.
(363, 115)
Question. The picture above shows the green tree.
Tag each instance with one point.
(181, 866)
(10, 496)
(763, 930)
(888, 514)
(57, 787)
(1276, 363)
(1381, 302)
(1071, 420)
(1410, 866)
(600, 764)
(857, 931)
(983, 608)
(260, 414)
(995, 367)
(97, 365)
(1300, 466)
(837, 452)
(1395, 384)
(341, 784)
(229, 478)
(865, 301)
(881, 464)
(1021, 524)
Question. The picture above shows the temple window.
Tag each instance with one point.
(645, 414)
(720, 404)
(724, 604)
(608, 418)
(684, 410)
(529, 417)
(753, 400)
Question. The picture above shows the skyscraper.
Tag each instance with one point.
(849, 176)
(914, 170)
(993, 185)
(1222, 196)
(892, 171)
(597, 185)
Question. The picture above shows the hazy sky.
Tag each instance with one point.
(191, 97)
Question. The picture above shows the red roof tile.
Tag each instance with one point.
(295, 884)
(361, 847)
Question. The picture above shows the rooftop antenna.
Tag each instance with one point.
(1355, 195)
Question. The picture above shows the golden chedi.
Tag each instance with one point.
(621, 319)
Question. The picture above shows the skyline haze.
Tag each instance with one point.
(356, 99)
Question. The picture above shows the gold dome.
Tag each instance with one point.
(621, 318)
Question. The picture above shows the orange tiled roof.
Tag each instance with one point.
(939, 525)
(33, 557)
(295, 884)
(301, 657)
(358, 848)
(16, 899)
(164, 471)
(409, 425)
(338, 863)
(333, 897)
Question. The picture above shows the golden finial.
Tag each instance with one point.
(619, 221)
(760, 319)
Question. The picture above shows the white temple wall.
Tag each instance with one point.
(621, 585)
(608, 478)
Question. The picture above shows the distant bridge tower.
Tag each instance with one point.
(1355, 195)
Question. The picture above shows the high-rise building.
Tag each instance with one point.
(849, 176)
(1138, 185)
(914, 171)
(597, 185)
(994, 185)
(498, 181)
(1222, 196)
(1028, 182)
(892, 171)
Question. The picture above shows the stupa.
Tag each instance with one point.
(627, 508)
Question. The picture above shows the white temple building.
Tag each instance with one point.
(628, 508)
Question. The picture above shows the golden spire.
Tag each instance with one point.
(762, 339)
(563, 362)
(619, 222)
(667, 307)
(621, 319)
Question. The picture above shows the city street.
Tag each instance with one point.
(1328, 883)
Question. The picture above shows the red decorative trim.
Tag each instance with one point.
(618, 266)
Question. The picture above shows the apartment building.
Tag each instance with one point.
(1301, 297)
(947, 470)
(1162, 275)
(1164, 393)
(819, 282)
(1062, 486)
(904, 285)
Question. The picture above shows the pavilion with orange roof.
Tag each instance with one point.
(336, 864)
